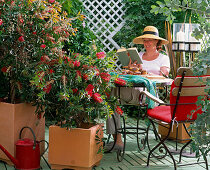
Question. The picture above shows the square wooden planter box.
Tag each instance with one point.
(13, 117)
(75, 148)
(182, 134)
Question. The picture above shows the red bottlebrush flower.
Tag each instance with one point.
(90, 93)
(53, 62)
(66, 59)
(34, 32)
(75, 91)
(21, 39)
(47, 88)
(97, 97)
(1, 22)
(107, 94)
(4, 69)
(75, 55)
(43, 46)
(120, 81)
(78, 74)
(76, 63)
(85, 77)
(51, 1)
(100, 55)
(119, 110)
(51, 71)
(105, 76)
(85, 67)
(44, 58)
(90, 87)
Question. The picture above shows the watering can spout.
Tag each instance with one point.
(14, 161)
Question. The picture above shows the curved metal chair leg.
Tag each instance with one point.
(143, 140)
(180, 155)
(206, 162)
(161, 143)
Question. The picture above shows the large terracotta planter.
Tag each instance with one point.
(182, 134)
(74, 148)
(13, 117)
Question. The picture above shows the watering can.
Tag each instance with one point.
(27, 153)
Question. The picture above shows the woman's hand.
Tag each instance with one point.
(164, 71)
(134, 64)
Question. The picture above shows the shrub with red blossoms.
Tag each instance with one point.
(97, 97)
(85, 90)
(27, 39)
(43, 46)
(119, 110)
(105, 76)
(100, 55)
(36, 69)
(120, 82)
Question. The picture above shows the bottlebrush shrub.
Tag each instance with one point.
(30, 31)
(76, 88)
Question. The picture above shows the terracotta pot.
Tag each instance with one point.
(13, 117)
(74, 148)
(182, 134)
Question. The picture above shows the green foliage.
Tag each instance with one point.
(75, 88)
(81, 42)
(200, 9)
(138, 16)
(31, 31)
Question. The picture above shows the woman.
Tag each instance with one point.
(153, 63)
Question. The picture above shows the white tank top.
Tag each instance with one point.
(153, 66)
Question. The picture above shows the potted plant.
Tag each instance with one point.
(30, 32)
(76, 92)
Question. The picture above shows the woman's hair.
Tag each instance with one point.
(159, 46)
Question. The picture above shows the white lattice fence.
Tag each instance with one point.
(105, 20)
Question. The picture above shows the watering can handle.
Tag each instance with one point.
(32, 134)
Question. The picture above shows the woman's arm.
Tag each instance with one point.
(164, 70)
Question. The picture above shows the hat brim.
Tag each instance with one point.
(139, 40)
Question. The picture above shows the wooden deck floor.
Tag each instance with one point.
(133, 160)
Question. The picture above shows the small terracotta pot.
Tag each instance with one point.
(75, 148)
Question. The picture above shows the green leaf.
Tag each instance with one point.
(159, 3)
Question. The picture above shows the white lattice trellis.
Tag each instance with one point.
(105, 20)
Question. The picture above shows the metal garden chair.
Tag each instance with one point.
(183, 96)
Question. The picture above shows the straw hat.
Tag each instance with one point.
(149, 32)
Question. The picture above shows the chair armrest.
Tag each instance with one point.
(155, 99)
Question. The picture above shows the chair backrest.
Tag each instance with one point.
(185, 89)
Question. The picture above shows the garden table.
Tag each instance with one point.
(137, 81)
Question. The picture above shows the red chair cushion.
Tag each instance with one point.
(184, 111)
(162, 113)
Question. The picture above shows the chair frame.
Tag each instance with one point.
(161, 144)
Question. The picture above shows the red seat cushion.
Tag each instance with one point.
(162, 113)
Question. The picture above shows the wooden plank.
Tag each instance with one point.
(189, 91)
(191, 81)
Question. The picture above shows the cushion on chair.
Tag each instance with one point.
(184, 111)
(162, 113)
